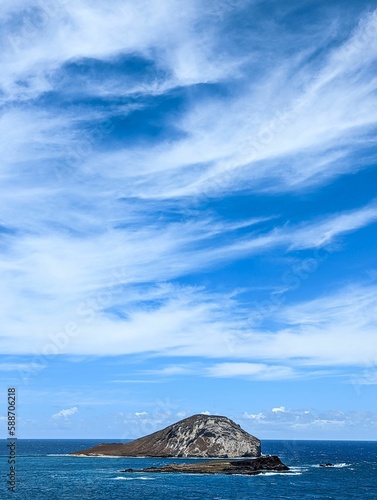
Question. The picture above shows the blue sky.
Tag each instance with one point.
(188, 216)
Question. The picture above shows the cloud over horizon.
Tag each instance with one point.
(65, 413)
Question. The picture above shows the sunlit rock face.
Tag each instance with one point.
(196, 436)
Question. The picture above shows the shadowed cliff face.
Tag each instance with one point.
(196, 436)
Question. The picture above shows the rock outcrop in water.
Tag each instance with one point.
(246, 467)
(196, 436)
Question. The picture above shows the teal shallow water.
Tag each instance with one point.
(44, 471)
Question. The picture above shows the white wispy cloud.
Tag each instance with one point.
(65, 413)
(94, 257)
(141, 414)
(325, 116)
(279, 409)
(304, 421)
(325, 113)
(126, 28)
(314, 234)
(256, 371)
(337, 328)
(11, 367)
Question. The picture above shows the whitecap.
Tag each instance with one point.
(142, 478)
(95, 456)
(333, 466)
(58, 455)
(281, 474)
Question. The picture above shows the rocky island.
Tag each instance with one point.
(198, 436)
(249, 467)
(207, 436)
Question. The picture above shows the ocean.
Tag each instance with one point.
(44, 470)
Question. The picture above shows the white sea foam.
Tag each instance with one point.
(80, 456)
(333, 466)
(93, 456)
(142, 478)
(58, 455)
(281, 474)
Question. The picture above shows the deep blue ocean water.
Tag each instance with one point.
(44, 471)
